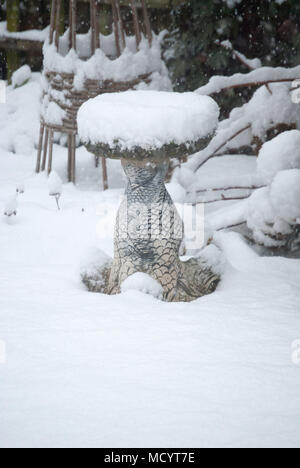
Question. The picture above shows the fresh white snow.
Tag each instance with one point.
(87, 370)
(143, 283)
(29, 35)
(21, 76)
(278, 154)
(253, 119)
(149, 119)
(264, 74)
(55, 184)
(104, 64)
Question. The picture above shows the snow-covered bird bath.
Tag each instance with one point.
(144, 129)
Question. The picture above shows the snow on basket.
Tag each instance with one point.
(78, 67)
(140, 124)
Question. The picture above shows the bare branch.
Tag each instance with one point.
(224, 189)
(222, 146)
(232, 226)
(223, 198)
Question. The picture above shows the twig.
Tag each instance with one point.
(254, 83)
(206, 202)
(57, 197)
(232, 226)
(221, 146)
(238, 56)
(224, 189)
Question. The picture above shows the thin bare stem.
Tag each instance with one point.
(222, 146)
(238, 56)
(57, 197)
(232, 226)
(224, 189)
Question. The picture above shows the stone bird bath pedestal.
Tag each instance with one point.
(144, 129)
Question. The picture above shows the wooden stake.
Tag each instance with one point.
(70, 26)
(57, 25)
(92, 20)
(73, 159)
(97, 25)
(52, 21)
(69, 157)
(50, 152)
(40, 148)
(116, 27)
(45, 150)
(121, 23)
(147, 23)
(73, 6)
(104, 174)
(136, 23)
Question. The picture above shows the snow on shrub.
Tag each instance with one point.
(21, 76)
(55, 187)
(283, 152)
(11, 207)
(263, 112)
(20, 188)
(285, 195)
(143, 283)
(94, 270)
(20, 118)
(251, 122)
(273, 213)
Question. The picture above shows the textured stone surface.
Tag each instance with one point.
(148, 236)
(165, 153)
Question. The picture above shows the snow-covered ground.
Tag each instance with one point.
(88, 370)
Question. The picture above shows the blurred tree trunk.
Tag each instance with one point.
(13, 20)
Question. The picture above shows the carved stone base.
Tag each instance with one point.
(148, 236)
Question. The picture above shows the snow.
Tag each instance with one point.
(88, 370)
(261, 218)
(232, 3)
(11, 206)
(148, 119)
(20, 188)
(104, 65)
(29, 35)
(254, 119)
(274, 210)
(21, 76)
(55, 184)
(19, 118)
(252, 64)
(282, 152)
(285, 195)
(261, 75)
(143, 283)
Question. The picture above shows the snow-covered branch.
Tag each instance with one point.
(259, 77)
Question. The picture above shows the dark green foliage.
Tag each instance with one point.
(257, 28)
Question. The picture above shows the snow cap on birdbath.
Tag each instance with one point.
(144, 125)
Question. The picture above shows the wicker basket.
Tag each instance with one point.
(59, 83)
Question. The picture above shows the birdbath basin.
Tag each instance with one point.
(144, 129)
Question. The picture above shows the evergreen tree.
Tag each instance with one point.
(257, 28)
